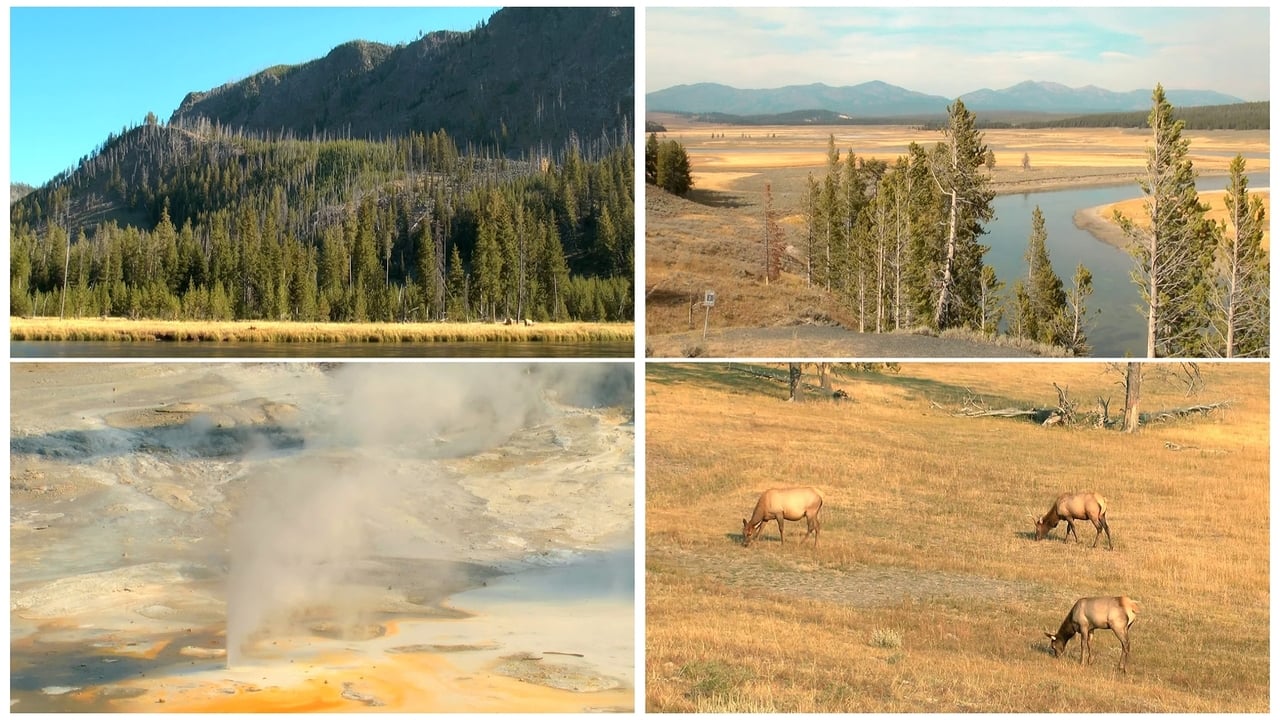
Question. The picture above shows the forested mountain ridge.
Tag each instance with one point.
(207, 218)
(526, 78)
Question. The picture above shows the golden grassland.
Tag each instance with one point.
(1136, 209)
(119, 329)
(927, 591)
(1058, 156)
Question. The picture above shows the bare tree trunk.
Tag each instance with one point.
(793, 370)
(824, 375)
(66, 270)
(1132, 394)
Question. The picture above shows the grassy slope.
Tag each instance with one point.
(927, 592)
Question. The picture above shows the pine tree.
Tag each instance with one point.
(774, 244)
(1041, 301)
(651, 159)
(1173, 251)
(673, 173)
(1242, 292)
(457, 287)
(1075, 338)
(967, 203)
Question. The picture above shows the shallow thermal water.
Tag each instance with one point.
(321, 537)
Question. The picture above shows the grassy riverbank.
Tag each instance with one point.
(124, 330)
(1100, 221)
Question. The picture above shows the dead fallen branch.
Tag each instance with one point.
(1182, 412)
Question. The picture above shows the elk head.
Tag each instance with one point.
(1042, 526)
(749, 531)
(1056, 646)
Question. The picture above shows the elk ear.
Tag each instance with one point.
(1051, 636)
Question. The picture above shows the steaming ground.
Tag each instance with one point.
(321, 537)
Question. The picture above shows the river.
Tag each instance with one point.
(1120, 328)
(167, 350)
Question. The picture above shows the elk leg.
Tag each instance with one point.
(1084, 645)
(1107, 527)
(1097, 525)
(1124, 649)
(781, 537)
(1071, 530)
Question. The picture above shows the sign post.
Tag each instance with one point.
(707, 303)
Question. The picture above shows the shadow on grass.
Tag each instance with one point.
(730, 377)
(772, 381)
(716, 198)
(943, 393)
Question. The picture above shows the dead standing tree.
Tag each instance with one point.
(1132, 395)
(774, 244)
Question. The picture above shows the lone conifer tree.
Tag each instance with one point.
(967, 202)
(1241, 299)
(1040, 301)
(1173, 252)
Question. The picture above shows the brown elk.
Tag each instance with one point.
(785, 504)
(1096, 613)
(1087, 505)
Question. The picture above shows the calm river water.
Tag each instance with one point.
(170, 350)
(1120, 329)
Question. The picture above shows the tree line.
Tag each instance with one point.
(1237, 116)
(221, 225)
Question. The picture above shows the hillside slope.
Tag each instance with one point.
(527, 78)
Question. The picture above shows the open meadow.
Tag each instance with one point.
(927, 591)
(710, 239)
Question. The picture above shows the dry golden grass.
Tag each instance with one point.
(927, 591)
(119, 329)
(1059, 156)
(1215, 200)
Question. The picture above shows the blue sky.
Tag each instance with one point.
(950, 51)
(77, 74)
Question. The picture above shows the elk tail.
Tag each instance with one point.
(1131, 608)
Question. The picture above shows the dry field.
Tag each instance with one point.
(49, 328)
(700, 242)
(1060, 157)
(927, 591)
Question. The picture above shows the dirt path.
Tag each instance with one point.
(793, 571)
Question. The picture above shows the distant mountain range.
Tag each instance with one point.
(880, 99)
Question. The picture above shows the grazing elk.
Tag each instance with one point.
(1087, 505)
(1096, 613)
(784, 504)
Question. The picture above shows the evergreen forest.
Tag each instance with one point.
(197, 219)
